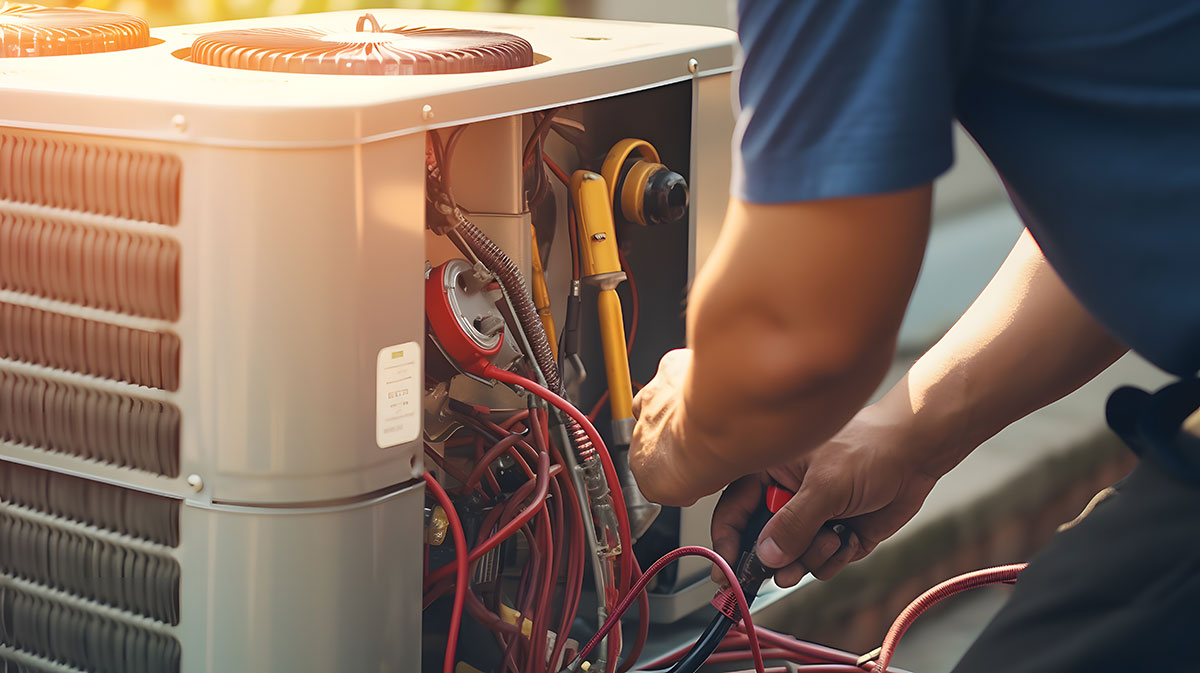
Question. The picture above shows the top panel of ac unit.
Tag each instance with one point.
(159, 92)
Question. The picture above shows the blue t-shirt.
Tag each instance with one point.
(1090, 111)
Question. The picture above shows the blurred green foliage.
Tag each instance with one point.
(172, 12)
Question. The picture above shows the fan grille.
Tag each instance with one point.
(396, 51)
(33, 30)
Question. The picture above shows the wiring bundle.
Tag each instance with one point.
(540, 475)
(532, 498)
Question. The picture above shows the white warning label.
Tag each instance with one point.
(398, 395)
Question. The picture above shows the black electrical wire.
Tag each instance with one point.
(751, 575)
(705, 646)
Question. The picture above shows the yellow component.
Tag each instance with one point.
(511, 616)
(541, 295)
(586, 666)
(616, 359)
(435, 531)
(601, 266)
(611, 169)
(600, 263)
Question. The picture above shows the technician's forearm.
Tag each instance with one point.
(1024, 343)
(746, 408)
(792, 323)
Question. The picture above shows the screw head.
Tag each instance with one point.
(426, 112)
(196, 482)
(179, 123)
(599, 236)
(693, 65)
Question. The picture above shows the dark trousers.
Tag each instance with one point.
(1119, 591)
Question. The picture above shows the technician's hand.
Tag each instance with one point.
(656, 454)
(869, 477)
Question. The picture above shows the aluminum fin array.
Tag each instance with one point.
(9, 664)
(91, 266)
(90, 347)
(89, 177)
(109, 427)
(104, 571)
(149, 517)
(88, 578)
(54, 630)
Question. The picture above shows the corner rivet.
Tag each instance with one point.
(196, 482)
(693, 65)
(179, 123)
(426, 112)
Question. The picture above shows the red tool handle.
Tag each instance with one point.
(777, 497)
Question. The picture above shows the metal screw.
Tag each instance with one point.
(196, 482)
(426, 112)
(693, 65)
(179, 122)
(599, 236)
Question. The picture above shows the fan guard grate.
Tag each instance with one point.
(367, 50)
(33, 30)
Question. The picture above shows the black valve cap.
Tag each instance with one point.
(666, 197)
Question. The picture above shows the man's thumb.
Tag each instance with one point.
(789, 532)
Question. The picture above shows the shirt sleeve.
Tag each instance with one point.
(842, 97)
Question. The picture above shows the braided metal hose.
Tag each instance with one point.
(513, 282)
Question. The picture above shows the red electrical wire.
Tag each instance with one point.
(571, 233)
(575, 560)
(557, 170)
(539, 134)
(816, 653)
(539, 500)
(971, 580)
(505, 445)
(610, 475)
(653, 570)
(634, 300)
(460, 564)
(442, 463)
(539, 596)
(643, 624)
(610, 471)
(553, 526)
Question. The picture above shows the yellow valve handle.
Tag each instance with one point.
(600, 263)
(616, 358)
